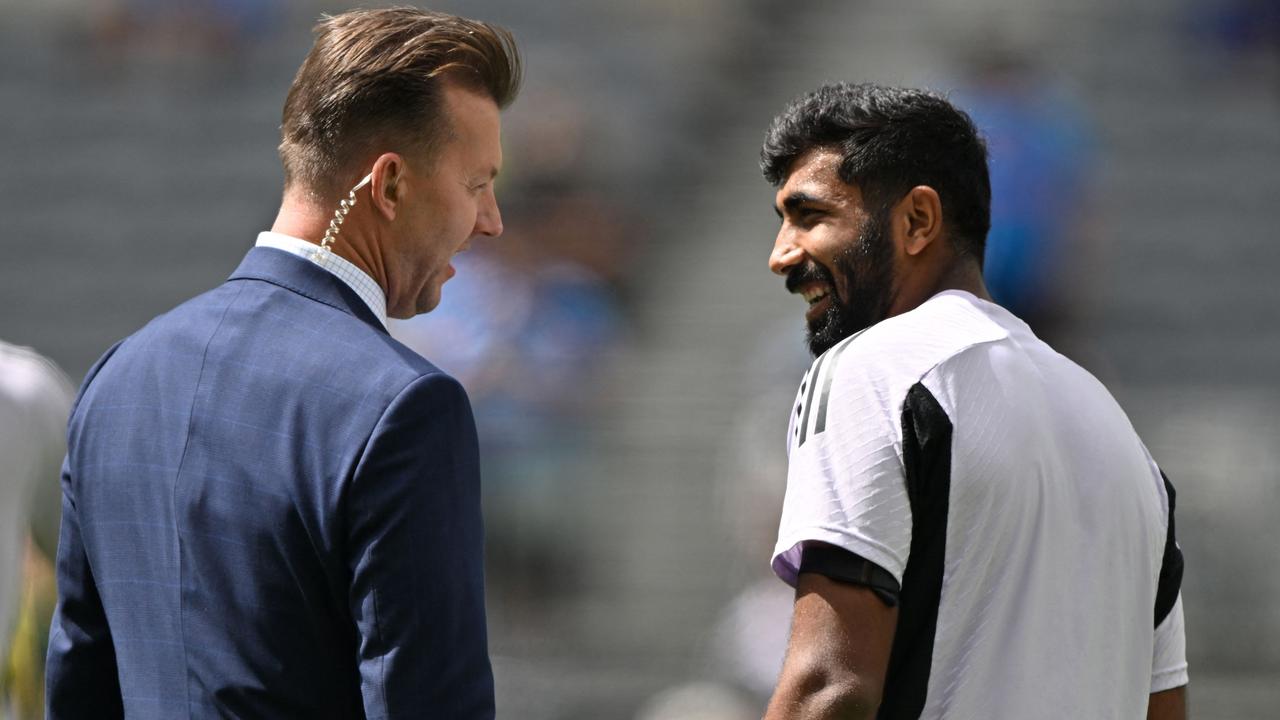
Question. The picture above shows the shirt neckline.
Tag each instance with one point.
(353, 277)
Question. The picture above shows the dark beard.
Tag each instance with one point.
(866, 266)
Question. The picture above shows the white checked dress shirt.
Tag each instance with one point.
(354, 277)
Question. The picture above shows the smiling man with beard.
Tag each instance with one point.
(972, 526)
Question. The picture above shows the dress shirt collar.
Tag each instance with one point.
(352, 276)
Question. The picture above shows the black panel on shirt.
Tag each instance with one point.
(1170, 567)
(844, 566)
(926, 456)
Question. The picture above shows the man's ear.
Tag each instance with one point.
(385, 188)
(919, 213)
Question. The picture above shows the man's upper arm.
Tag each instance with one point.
(1168, 705)
(841, 639)
(81, 677)
(416, 556)
(80, 671)
(846, 484)
(843, 541)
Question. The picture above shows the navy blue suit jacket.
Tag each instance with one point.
(271, 509)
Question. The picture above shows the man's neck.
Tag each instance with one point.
(959, 273)
(964, 275)
(305, 220)
(301, 220)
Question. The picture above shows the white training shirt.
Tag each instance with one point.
(1029, 567)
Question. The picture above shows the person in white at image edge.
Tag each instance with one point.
(35, 397)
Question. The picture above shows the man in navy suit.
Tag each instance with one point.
(270, 507)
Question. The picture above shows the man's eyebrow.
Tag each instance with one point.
(794, 200)
(798, 198)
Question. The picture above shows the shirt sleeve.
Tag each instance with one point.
(1169, 659)
(845, 480)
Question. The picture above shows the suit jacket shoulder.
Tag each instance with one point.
(221, 445)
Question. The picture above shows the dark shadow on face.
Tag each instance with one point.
(865, 296)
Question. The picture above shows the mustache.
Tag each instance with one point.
(807, 272)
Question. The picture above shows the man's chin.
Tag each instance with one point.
(420, 306)
(822, 337)
(820, 343)
(427, 303)
(427, 299)
(827, 332)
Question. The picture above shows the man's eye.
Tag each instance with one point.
(807, 216)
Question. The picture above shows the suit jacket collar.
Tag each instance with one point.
(305, 278)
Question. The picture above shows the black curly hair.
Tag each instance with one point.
(891, 140)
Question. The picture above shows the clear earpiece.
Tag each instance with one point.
(339, 215)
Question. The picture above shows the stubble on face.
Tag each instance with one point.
(865, 270)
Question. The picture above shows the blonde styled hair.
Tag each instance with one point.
(374, 81)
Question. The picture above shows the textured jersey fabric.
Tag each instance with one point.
(1008, 493)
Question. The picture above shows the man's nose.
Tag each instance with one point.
(786, 253)
(489, 220)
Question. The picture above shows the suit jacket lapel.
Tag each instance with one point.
(305, 278)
